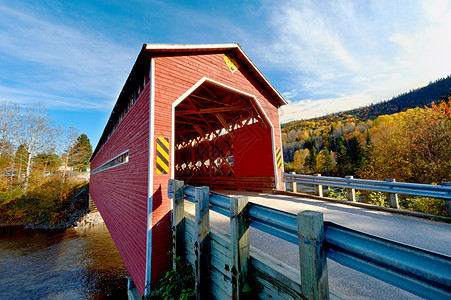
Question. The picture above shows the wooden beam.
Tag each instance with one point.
(212, 110)
(210, 100)
(225, 124)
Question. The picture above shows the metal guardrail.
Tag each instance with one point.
(421, 272)
(415, 189)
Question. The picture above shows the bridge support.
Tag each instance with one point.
(240, 243)
(294, 187)
(312, 255)
(392, 197)
(350, 192)
(318, 188)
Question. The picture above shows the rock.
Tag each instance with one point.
(91, 219)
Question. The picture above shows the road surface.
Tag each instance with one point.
(422, 233)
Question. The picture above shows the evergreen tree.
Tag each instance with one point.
(328, 164)
(311, 160)
(80, 153)
(342, 157)
(355, 154)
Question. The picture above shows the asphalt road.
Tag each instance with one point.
(422, 233)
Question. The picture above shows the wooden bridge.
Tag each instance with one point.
(214, 232)
(205, 114)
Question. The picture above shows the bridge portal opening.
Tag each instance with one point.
(223, 139)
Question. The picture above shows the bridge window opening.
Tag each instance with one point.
(223, 140)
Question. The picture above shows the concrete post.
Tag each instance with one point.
(202, 243)
(294, 187)
(447, 202)
(239, 238)
(350, 192)
(392, 197)
(318, 188)
(312, 255)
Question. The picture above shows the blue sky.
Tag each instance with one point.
(323, 56)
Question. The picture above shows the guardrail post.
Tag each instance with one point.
(294, 187)
(350, 192)
(239, 237)
(312, 255)
(392, 197)
(318, 188)
(447, 202)
(175, 189)
(202, 242)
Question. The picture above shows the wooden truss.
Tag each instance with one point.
(205, 130)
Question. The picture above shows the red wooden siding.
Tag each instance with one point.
(120, 193)
(174, 75)
(252, 151)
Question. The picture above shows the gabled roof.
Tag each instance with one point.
(234, 47)
(142, 65)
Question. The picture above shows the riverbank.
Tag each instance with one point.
(68, 210)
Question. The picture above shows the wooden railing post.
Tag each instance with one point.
(294, 187)
(350, 192)
(447, 202)
(178, 219)
(392, 197)
(202, 242)
(318, 188)
(312, 255)
(239, 238)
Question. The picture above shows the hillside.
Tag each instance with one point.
(420, 97)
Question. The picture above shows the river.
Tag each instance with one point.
(64, 264)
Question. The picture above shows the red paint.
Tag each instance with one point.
(120, 193)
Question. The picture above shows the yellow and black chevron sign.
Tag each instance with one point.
(278, 158)
(162, 166)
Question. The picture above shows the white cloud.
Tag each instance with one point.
(61, 66)
(343, 52)
(306, 109)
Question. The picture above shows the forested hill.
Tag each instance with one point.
(420, 97)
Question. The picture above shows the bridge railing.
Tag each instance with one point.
(389, 186)
(421, 272)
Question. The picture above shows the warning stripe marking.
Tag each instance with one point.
(278, 158)
(162, 165)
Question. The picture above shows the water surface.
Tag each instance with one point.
(69, 264)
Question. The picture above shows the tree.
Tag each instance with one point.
(36, 132)
(47, 159)
(324, 163)
(356, 155)
(69, 138)
(299, 160)
(310, 160)
(342, 157)
(8, 123)
(81, 152)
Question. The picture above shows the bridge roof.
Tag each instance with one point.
(142, 66)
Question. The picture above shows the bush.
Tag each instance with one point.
(427, 205)
(176, 284)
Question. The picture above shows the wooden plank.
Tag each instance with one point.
(221, 263)
(202, 243)
(313, 263)
(222, 281)
(220, 237)
(279, 276)
(239, 243)
(218, 293)
(178, 243)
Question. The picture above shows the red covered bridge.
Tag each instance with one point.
(201, 113)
